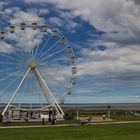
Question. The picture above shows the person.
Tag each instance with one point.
(26, 117)
(43, 121)
(53, 117)
(89, 120)
(103, 117)
(50, 116)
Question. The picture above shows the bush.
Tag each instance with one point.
(1, 118)
(69, 116)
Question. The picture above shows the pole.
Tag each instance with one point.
(15, 92)
(47, 91)
(109, 113)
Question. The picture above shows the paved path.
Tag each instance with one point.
(63, 125)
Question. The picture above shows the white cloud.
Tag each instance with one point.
(64, 19)
(43, 11)
(104, 15)
(5, 47)
(122, 46)
(26, 40)
(35, 1)
(11, 10)
(120, 19)
(112, 60)
(2, 4)
(20, 16)
(55, 21)
(68, 20)
(85, 91)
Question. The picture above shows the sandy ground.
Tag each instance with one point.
(96, 119)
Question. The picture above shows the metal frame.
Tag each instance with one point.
(45, 89)
(38, 54)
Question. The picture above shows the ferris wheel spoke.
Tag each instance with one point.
(8, 69)
(48, 76)
(13, 69)
(12, 82)
(61, 50)
(57, 83)
(19, 54)
(33, 43)
(22, 53)
(9, 65)
(13, 58)
(47, 41)
(50, 48)
(13, 42)
(36, 50)
(10, 75)
(57, 52)
(53, 63)
(56, 60)
(8, 56)
(26, 40)
(17, 60)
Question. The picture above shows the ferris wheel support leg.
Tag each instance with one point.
(14, 94)
(48, 92)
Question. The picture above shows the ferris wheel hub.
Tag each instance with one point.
(32, 64)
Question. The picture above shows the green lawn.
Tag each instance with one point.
(95, 132)
(125, 118)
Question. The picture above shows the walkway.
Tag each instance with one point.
(63, 125)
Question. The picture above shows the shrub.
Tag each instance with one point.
(1, 118)
(69, 116)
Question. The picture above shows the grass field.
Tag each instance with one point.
(125, 118)
(95, 132)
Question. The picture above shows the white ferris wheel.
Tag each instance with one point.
(37, 64)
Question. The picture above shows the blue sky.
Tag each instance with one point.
(105, 38)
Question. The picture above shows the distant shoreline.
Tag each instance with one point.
(91, 106)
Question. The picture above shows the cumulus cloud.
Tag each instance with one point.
(116, 18)
(5, 47)
(120, 22)
(43, 11)
(35, 1)
(20, 16)
(55, 21)
(111, 60)
(2, 4)
(63, 19)
(104, 15)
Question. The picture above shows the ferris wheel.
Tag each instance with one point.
(37, 65)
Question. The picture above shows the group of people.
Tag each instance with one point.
(51, 118)
(86, 121)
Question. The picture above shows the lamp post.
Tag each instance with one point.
(77, 114)
(0, 102)
(109, 113)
